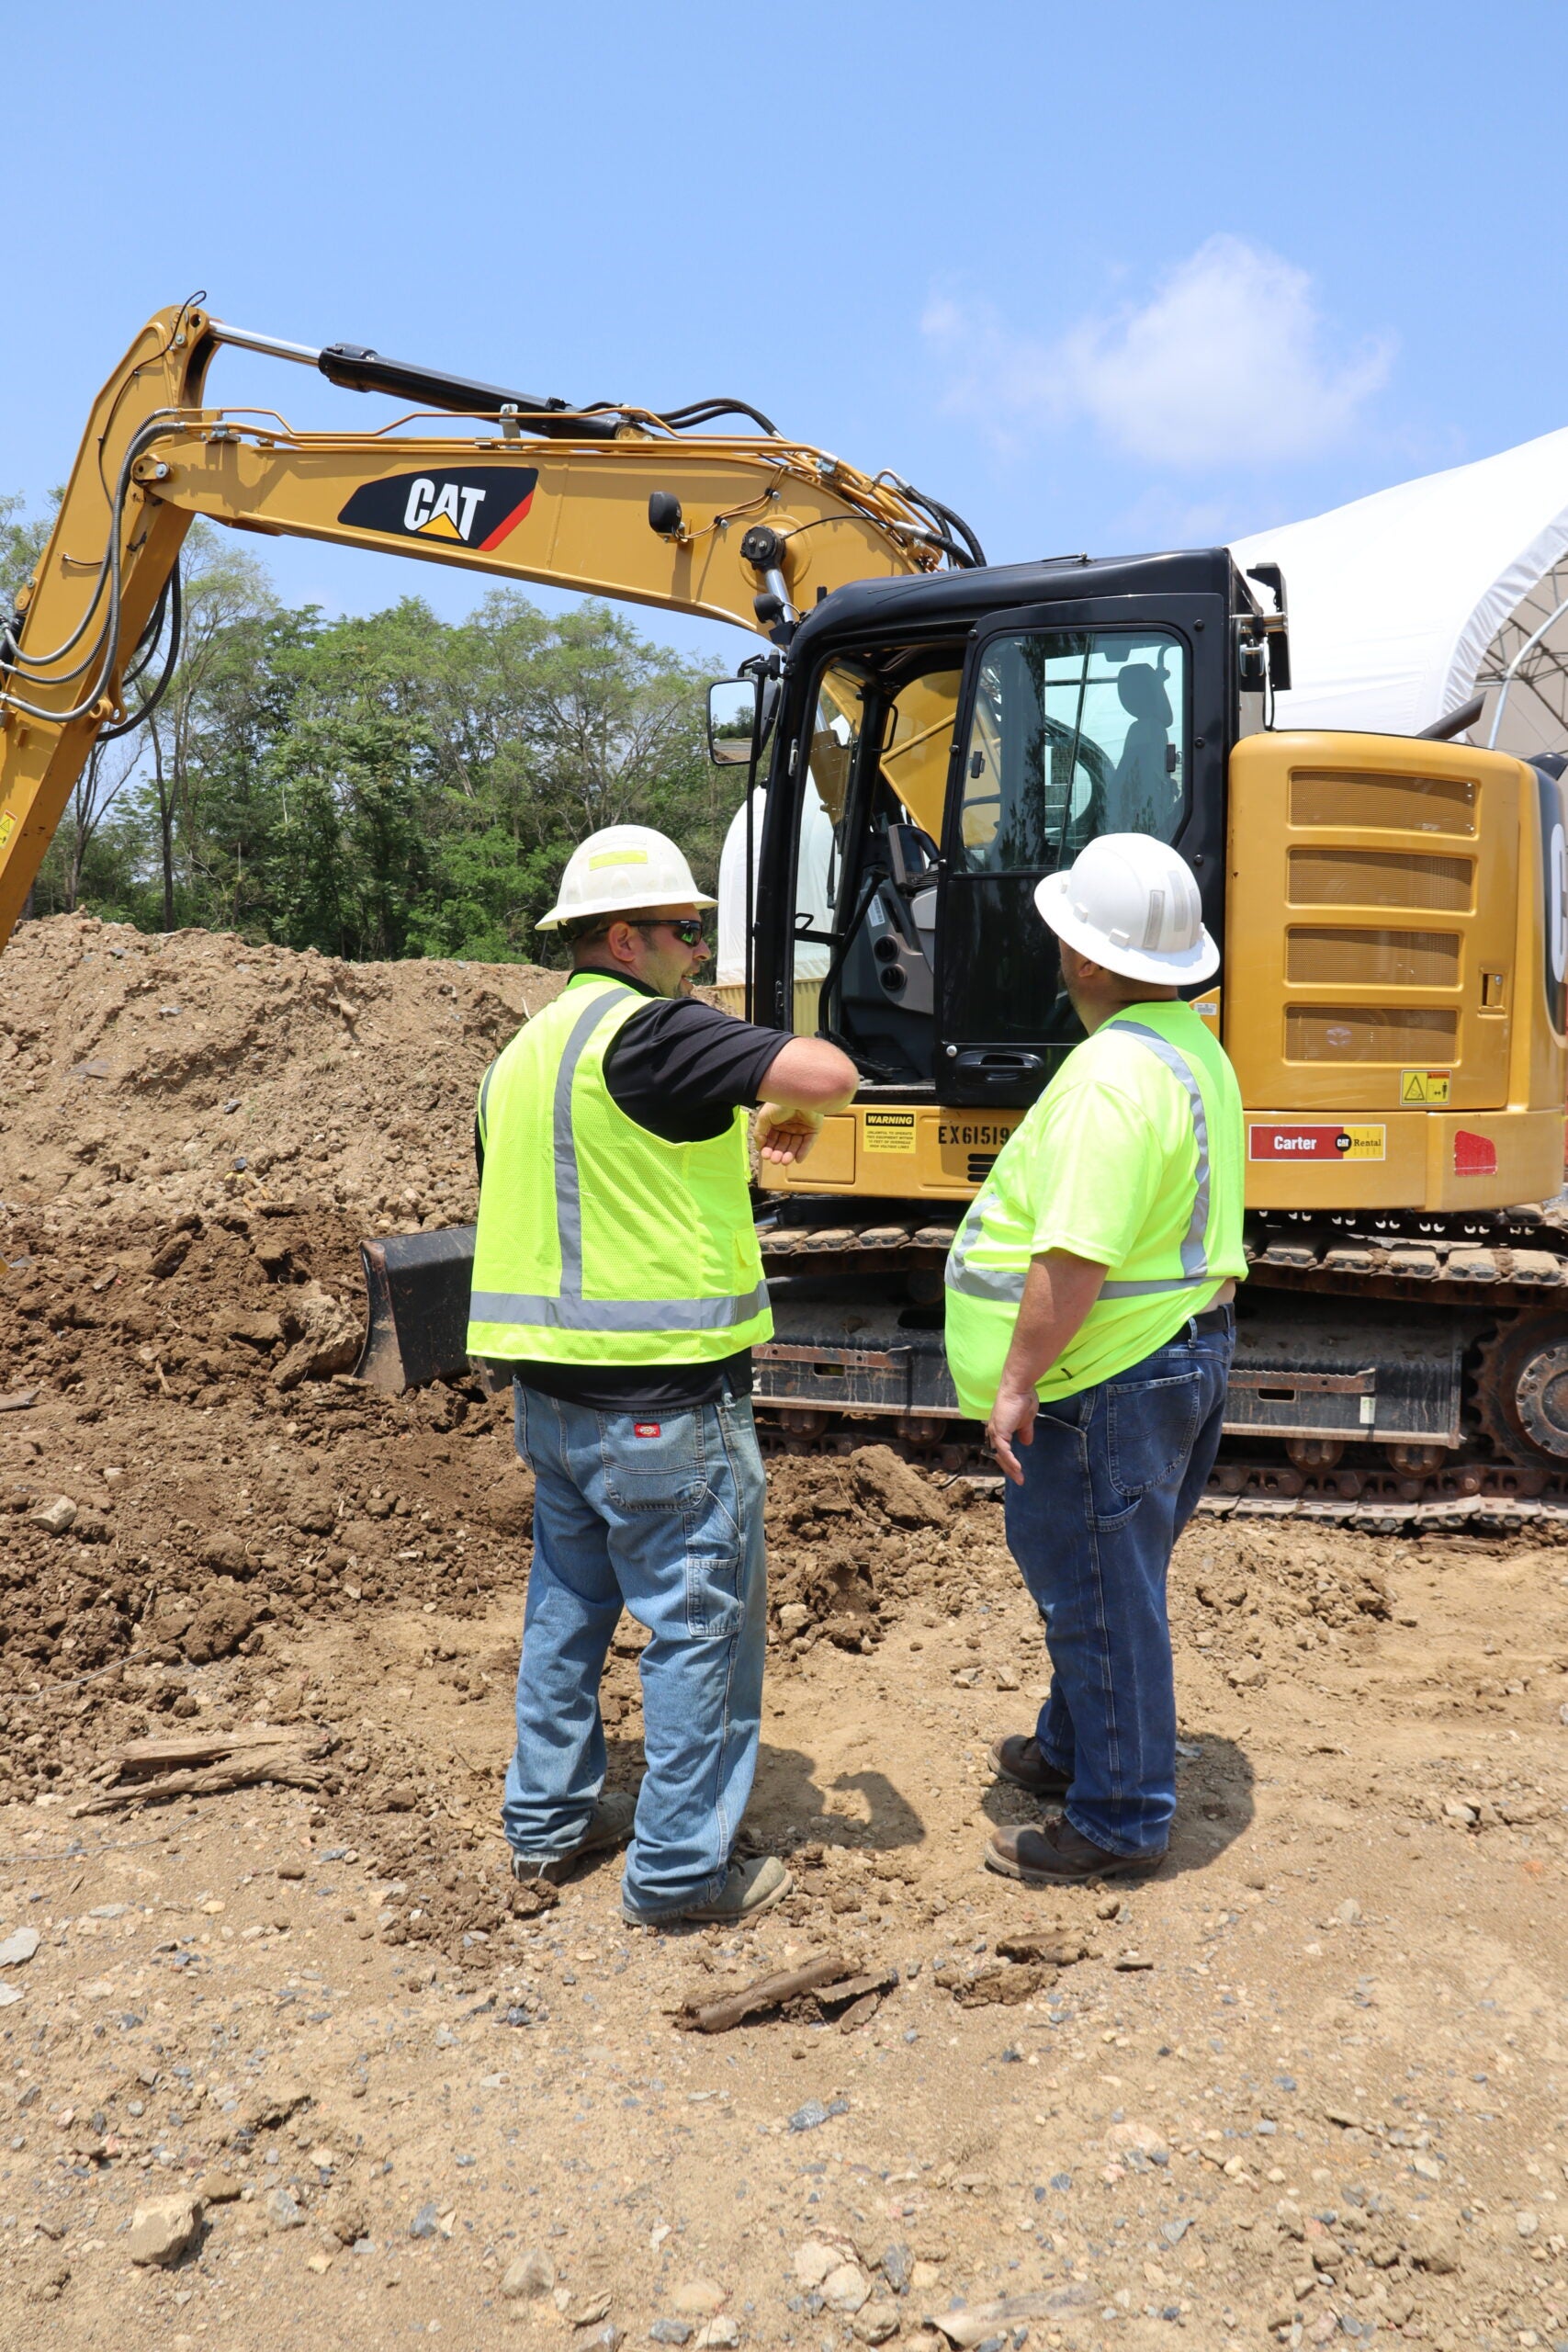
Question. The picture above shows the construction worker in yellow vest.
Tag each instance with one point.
(1090, 1325)
(616, 1271)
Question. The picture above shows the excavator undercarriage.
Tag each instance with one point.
(1454, 1388)
(1456, 1385)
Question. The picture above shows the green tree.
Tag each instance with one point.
(384, 786)
(221, 588)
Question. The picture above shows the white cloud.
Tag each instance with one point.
(1227, 364)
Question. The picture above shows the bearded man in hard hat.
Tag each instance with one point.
(1090, 1325)
(617, 1272)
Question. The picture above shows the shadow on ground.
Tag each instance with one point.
(789, 1804)
(1214, 1803)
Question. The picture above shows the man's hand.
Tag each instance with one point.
(807, 1080)
(1012, 1423)
(1058, 1291)
(786, 1134)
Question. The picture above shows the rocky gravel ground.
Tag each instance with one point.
(295, 2062)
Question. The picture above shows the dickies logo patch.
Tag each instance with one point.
(647, 1428)
(478, 507)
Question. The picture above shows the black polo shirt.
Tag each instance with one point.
(680, 1069)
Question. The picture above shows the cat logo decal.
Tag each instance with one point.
(478, 507)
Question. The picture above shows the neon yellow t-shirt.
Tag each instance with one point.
(1105, 1166)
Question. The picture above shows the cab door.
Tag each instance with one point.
(1102, 715)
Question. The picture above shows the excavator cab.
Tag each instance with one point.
(960, 738)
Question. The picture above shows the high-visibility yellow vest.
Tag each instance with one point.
(1161, 1055)
(597, 1242)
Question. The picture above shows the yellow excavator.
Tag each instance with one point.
(924, 736)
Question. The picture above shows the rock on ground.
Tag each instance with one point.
(163, 2230)
(529, 2277)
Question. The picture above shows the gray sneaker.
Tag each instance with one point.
(610, 1826)
(749, 1887)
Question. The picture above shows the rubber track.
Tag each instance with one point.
(1512, 1257)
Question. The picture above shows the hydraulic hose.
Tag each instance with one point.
(106, 643)
(172, 595)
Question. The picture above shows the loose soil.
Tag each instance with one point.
(1310, 2081)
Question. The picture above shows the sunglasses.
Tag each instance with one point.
(690, 934)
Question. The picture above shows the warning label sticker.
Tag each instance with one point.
(1264, 1142)
(7, 826)
(1425, 1085)
(889, 1130)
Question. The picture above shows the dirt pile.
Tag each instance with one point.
(191, 1071)
(853, 1540)
(193, 1135)
(195, 1368)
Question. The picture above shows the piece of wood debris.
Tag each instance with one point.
(829, 1980)
(861, 2012)
(209, 1763)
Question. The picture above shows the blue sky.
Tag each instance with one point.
(1099, 277)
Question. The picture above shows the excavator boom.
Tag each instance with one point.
(623, 502)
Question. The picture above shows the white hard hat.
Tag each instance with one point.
(621, 868)
(1131, 903)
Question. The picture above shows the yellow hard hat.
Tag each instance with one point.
(619, 869)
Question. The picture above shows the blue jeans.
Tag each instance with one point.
(669, 1526)
(1112, 1478)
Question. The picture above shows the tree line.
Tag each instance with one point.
(382, 787)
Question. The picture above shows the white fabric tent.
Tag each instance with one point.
(1404, 604)
(813, 896)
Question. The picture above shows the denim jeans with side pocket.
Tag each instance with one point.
(1111, 1479)
(661, 1514)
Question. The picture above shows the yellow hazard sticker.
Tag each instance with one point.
(1425, 1085)
(618, 857)
(7, 826)
(889, 1131)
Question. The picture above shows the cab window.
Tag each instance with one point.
(1074, 734)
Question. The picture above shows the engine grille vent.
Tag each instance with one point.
(1369, 1032)
(1400, 804)
(1376, 878)
(1383, 959)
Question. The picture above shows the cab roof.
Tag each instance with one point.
(943, 603)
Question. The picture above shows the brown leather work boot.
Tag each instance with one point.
(1056, 1855)
(1018, 1758)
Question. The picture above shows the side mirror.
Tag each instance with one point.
(732, 721)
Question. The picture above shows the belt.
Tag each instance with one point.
(1215, 1319)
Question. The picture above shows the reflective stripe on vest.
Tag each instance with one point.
(568, 1184)
(1005, 1284)
(570, 1311)
(573, 1312)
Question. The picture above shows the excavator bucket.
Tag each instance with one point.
(416, 1289)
